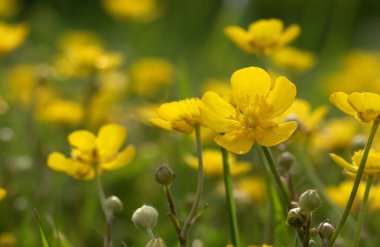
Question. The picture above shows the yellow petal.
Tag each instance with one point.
(238, 143)
(170, 111)
(59, 162)
(111, 138)
(240, 37)
(83, 140)
(340, 161)
(3, 193)
(282, 95)
(339, 99)
(248, 82)
(275, 135)
(122, 159)
(367, 104)
(216, 113)
(290, 34)
(159, 122)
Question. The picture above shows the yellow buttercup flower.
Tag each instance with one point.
(263, 36)
(213, 163)
(293, 59)
(178, 115)
(365, 107)
(90, 152)
(61, 112)
(12, 36)
(8, 239)
(138, 10)
(149, 75)
(253, 118)
(3, 193)
(372, 166)
(253, 189)
(300, 111)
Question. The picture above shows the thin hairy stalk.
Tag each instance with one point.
(355, 187)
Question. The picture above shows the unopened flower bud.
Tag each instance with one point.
(285, 161)
(156, 242)
(297, 217)
(309, 200)
(312, 243)
(325, 230)
(359, 142)
(145, 217)
(113, 204)
(313, 232)
(164, 175)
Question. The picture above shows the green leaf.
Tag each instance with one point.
(44, 238)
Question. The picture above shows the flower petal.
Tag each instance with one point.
(122, 159)
(367, 104)
(110, 139)
(240, 37)
(275, 135)
(340, 161)
(238, 143)
(339, 99)
(216, 113)
(282, 95)
(249, 82)
(83, 140)
(159, 122)
(289, 34)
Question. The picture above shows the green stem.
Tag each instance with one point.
(280, 186)
(150, 233)
(230, 200)
(356, 183)
(107, 215)
(194, 209)
(363, 210)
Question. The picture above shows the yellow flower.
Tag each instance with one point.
(12, 36)
(61, 112)
(138, 10)
(372, 166)
(7, 239)
(213, 163)
(253, 118)
(90, 152)
(149, 75)
(263, 36)
(253, 189)
(300, 111)
(336, 133)
(9, 8)
(365, 107)
(219, 87)
(3, 193)
(293, 59)
(178, 115)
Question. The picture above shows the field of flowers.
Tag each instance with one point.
(220, 123)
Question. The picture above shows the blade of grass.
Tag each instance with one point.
(44, 237)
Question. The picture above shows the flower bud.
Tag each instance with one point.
(312, 243)
(164, 175)
(285, 161)
(359, 142)
(113, 204)
(156, 242)
(325, 230)
(297, 217)
(145, 217)
(309, 200)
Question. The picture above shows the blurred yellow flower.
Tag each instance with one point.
(300, 111)
(253, 118)
(149, 75)
(83, 55)
(263, 36)
(90, 152)
(335, 134)
(365, 107)
(3, 193)
(61, 112)
(7, 239)
(12, 36)
(372, 166)
(293, 59)
(8, 8)
(133, 10)
(213, 163)
(252, 189)
(178, 115)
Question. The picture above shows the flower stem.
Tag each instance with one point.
(230, 199)
(280, 186)
(194, 209)
(363, 210)
(356, 184)
(107, 215)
